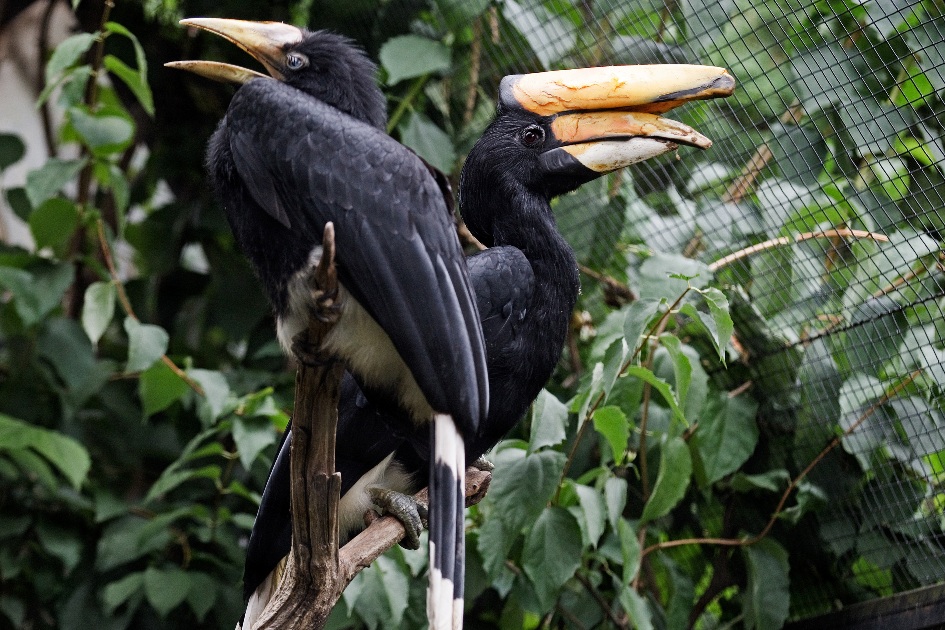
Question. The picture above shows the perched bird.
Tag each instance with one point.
(294, 154)
(553, 132)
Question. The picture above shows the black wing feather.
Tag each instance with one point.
(305, 164)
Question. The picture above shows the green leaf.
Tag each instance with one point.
(429, 141)
(660, 276)
(62, 543)
(719, 324)
(461, 13)
(639, 316)
(12, 150)
(522, 486)
(36, 294)
(767, 598)
(19, 202)
(165, 588)
(102, 133)
(615, 497)
(68, 456)
(661, 386)
(614, 358)
(98, 308)
(67, 53)
(876, 331)
(629, 550)
(671, 481)
(251, 437)
(409, 56)
(44, 182)
(591, 515)
(135, 80)
(636, 607)
(159, 387)
(216, 392)
(612, 423)
(552, 553)
(53, 223)
(726, 437)
(549, 420)
(682, 366)
(118, 592)
(146, 344)
(122, 541)
(771, 481)
(203, 593)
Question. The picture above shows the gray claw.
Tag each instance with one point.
(405, 509)
(307, 353)
(483, 464)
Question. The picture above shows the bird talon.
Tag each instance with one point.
(325, 307)
(411, 514)
(483, 464)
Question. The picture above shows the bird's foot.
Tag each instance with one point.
(411, 514)
(308, 353)
(483, 464)
(325, 306)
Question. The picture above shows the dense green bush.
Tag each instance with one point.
(660, 481)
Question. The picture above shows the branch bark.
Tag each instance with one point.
(317, 571)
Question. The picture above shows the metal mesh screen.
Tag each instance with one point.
(834, 145)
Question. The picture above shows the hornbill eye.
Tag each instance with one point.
(532, 136)
(296, 61)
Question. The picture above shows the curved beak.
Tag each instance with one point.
(603, 119)
(265, 41)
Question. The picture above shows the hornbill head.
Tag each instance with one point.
(555, 131)
(328, 66)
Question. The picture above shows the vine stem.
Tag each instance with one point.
(789, 240)
(406, 101)
(745, 542)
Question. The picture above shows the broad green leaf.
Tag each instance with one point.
(550, 37)
(67, 53)
(166, 588)
(672, 480)
(552, 553)
(140, 60)
(799, 152)
(494, 544)
(159, 387)
(521, 487)
(591, 514)
(613, 425)
(629, 550)
(36, 293)
(216, 392)
(136, 81)
(429, 141)
(409, 56)
(726, 437)
(102, 133)
(201, 597)
(639, 317)
(53, 223)
(98, 308)
(461, 13)
(767, 596)
(661, 386)
(146, 344)
(614, 359)
(810, 498)
(637, 609)
(252, 435)
(62, 543)
(549, 421)
(682, 367)
(771, 481)
(122, 542)
(382, 595)
(19, 202)
(118, 592)
(68, 456)
(930, 46)
(12, 150)
(615, 497)
(44, 182)
(719, 323)
(660, 276)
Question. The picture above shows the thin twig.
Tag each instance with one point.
(605, 606)
(791, 240)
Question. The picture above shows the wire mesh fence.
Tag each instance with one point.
(821, 207)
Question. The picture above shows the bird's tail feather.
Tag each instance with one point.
(260, 598)
(447, 533)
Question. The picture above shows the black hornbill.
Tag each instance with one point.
(294, 154)
(553, 132)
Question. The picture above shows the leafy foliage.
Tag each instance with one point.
(142, 390)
